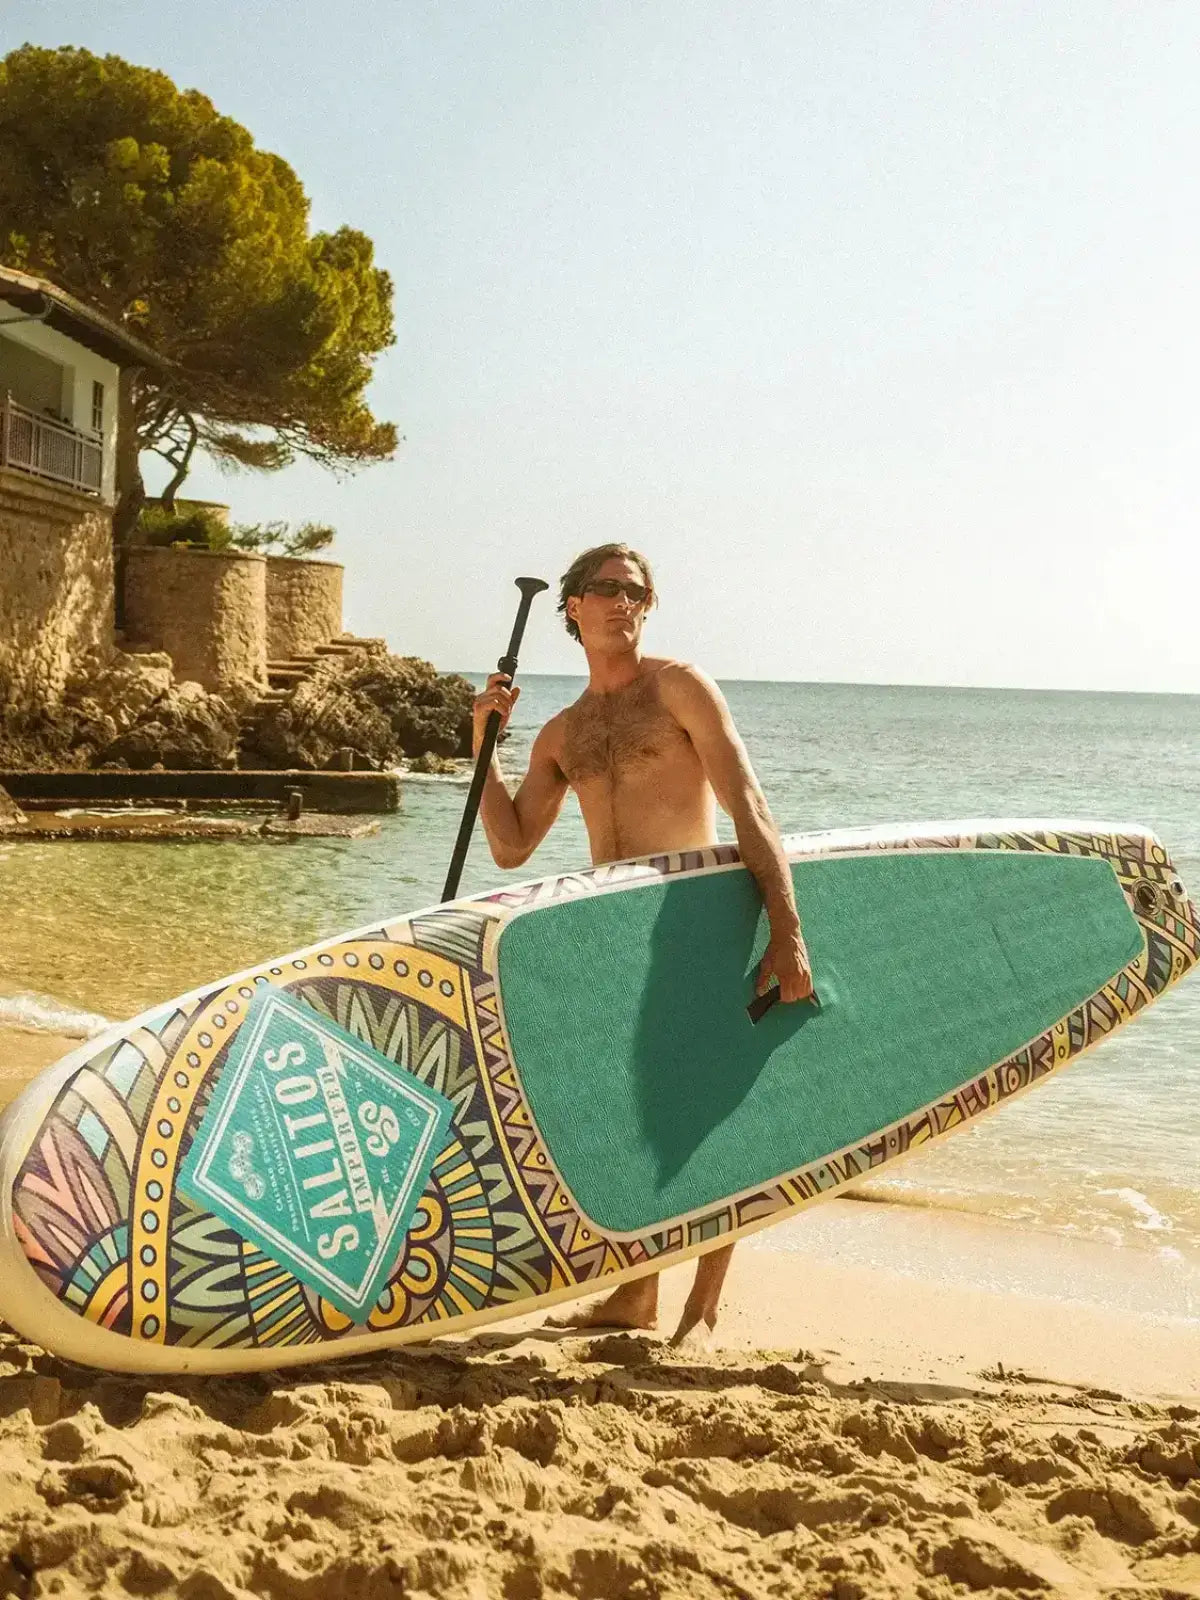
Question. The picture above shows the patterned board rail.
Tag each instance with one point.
(132, 1273)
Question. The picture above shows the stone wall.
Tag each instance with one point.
(56, 589)
(304, 605)
(206, 609)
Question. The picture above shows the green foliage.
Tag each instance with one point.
(281, 538)
(203, 528)
(197, 526)
(142, 200)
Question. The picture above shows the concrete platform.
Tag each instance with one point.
(132, 826)
(322, 791)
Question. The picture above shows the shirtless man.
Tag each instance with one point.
(649, 749)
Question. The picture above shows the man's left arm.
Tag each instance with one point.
(699, 707)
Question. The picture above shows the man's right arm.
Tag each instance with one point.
(516, 824)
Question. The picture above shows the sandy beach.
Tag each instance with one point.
(895, 1404)
(23, 1054)
(514, 1464)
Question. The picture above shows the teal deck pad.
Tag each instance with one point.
(657, 1097)
(317, 1149)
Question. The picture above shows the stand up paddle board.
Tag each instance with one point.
(488, 1107)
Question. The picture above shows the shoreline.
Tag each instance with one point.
(873, 1294)
(24, 1052)
(924, 1296)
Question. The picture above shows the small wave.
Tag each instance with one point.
(120, 811)
(1150, 1219)
(458, 779)
(44, 1014)
(1064, 1214)
(900, 1192)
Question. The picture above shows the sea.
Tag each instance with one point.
(1108, 1153)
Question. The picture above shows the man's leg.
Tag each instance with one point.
(633, 1305)
(705, 1297)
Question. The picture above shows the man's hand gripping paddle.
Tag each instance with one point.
(487, 745)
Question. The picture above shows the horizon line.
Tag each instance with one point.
(866, 683)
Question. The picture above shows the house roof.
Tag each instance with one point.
(55, 307)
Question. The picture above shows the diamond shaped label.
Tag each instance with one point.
(317, 1149)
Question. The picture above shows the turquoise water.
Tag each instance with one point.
(1110, 1151)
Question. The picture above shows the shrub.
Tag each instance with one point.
(197, 526)
(203, 529)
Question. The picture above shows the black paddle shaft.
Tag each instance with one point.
(508, 665)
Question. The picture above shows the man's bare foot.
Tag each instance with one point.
(633, 1305)
(699, 1317)
(696, 1327)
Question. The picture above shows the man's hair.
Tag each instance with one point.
(585, 567)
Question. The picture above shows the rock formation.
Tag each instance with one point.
(380, 707)
(129, 710)
(11, 815)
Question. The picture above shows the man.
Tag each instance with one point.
(649, 749)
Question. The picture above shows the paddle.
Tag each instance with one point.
(487, 745)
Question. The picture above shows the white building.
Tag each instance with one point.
(59, 366)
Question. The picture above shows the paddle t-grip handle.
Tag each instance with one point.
(507, 664)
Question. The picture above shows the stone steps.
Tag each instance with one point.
(284, 675)
(350, 644)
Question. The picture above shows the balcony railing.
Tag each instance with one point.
(48, 449)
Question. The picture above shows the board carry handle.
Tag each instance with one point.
(487, 745)
(762, 1003)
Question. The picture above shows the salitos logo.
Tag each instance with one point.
(316, 1149)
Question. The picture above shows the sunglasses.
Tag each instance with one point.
(610, 588)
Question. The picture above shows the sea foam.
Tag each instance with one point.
(45, 1014)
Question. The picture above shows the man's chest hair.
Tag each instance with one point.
(606, 734)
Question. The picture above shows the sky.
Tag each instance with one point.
(873, 325)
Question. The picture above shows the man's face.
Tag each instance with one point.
(611, 624)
